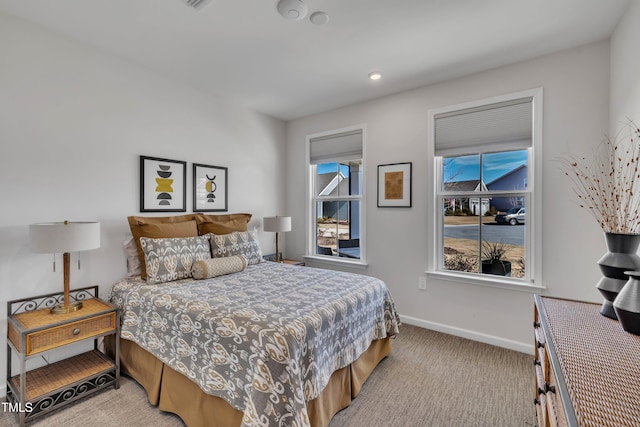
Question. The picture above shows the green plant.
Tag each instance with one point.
(493, 252)
(494, 260)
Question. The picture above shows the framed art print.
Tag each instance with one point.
(209, 188)
(163, 185)
(394, 185)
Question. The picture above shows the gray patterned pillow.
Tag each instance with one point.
(170, 259)
(237, 243)
(214, 267)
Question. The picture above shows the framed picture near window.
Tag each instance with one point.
(209, 188)
(394, 185)
(163, 185)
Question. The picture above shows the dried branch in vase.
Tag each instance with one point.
(608, 184)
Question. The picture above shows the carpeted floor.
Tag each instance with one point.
(438, 380)
(429, 380)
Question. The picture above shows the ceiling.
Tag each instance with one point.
(244, 51)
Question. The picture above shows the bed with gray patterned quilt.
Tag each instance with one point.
(266, 339)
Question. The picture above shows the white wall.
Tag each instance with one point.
(73, 121)
(576, 97)
(625, 69)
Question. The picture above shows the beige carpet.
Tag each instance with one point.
(429, 380)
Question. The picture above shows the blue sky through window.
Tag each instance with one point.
(332, 167)
(465, 168)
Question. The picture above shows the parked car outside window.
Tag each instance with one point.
(513, 216)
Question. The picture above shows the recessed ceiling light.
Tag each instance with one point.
(375, 75)
(319, 18)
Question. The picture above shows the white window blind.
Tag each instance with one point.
(501, 126)
(336, 147)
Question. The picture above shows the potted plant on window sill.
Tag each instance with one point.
(493, 259)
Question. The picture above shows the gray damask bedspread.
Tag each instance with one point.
(266, 339)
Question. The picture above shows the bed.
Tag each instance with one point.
(267, 344)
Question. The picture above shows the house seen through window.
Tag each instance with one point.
(336, 166)
(480, 222)
(482, 160)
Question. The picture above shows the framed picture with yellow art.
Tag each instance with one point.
(209, 188)
(394, 185)
(163, 185)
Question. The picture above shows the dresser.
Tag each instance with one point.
(587, 367)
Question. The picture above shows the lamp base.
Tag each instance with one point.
(64, 309)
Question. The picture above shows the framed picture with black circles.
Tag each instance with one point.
(163, 185)
(209, 188)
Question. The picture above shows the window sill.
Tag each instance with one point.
(493, 282)
(345, 262)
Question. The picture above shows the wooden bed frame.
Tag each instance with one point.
(175, 393)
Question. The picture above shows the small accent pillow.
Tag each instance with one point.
(213, 267)
(170, 259)
(237, 243)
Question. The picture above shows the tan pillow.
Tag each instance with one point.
(222, 224)
(208, 268)
(159, 227)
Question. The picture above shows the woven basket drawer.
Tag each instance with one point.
(55, 337)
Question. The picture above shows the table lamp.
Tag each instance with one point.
(277, 224)
(65, 237)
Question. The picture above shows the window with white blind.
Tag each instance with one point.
(486, 207)
(336, 210)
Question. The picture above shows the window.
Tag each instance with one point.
(336, 212)
(485, 216)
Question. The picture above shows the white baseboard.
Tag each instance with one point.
(472, 335)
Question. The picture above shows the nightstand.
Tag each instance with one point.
(293, 262)
(33, 329)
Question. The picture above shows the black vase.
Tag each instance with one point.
(502, 268)
(621, 256)
(627, 304)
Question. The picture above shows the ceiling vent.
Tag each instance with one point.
(197, 4)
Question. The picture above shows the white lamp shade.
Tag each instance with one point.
(277, 224)
(60, 237)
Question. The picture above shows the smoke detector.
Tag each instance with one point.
(197, 4)
(293, 10)
(319, 18)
